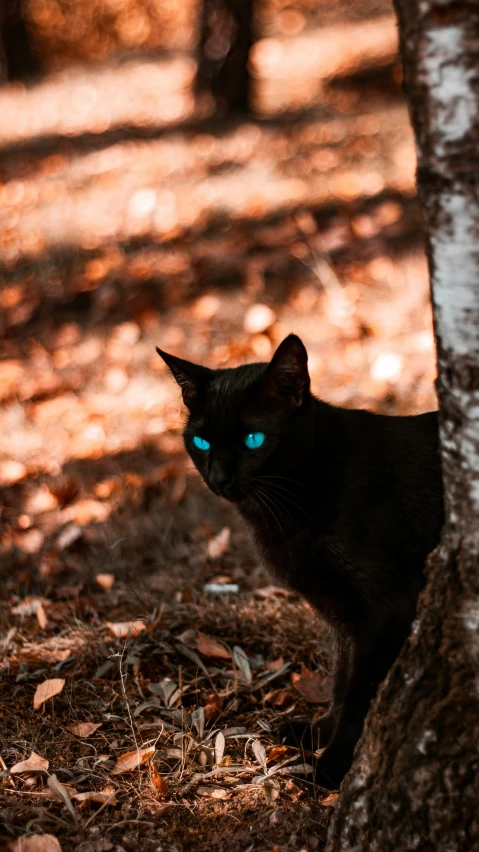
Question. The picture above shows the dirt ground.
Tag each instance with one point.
(126, 587)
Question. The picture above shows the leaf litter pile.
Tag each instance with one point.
(147, 660)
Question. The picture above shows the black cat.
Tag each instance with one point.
(343, 505)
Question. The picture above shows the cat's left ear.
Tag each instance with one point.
(192, 378)
(287, 377)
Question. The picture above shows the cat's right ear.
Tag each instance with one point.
(287, 378)
(191, 378)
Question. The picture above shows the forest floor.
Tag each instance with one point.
(214, 242)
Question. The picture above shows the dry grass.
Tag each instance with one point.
(147, 690)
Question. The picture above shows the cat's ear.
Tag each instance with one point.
(191, 378)
(287, 377)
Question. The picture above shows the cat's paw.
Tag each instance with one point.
(308, 735)
(331, 767)
(304, 735)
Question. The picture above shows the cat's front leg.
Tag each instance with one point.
(368, 665)
(316, 734)
(309, 736)
(332, 766)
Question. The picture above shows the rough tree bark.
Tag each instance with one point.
(414, 784)
(226, 39)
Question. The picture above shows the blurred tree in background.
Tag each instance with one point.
(225, 43)
(19, 58)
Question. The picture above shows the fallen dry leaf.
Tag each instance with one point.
(280, 753)
(35, 763)
(29, 606)
(274, 665)
(61, 792)
(41, 616)
(329, 801)
(98, 796)
(315, 688)
(84, 729)
(159, 783)
(259, 752)
(279, 697)
(35, 843)
(46, 792)
(188, 638)
(53, 650)
(219, 543)
(132, 760)
(214, 707)
(208, 646)
(213, 792)
(47, 690)
(105, 581)
(241, 660)
(126, 629)
(220, 744)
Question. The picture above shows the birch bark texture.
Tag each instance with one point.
(414, 783)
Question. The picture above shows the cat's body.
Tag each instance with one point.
(343, 505)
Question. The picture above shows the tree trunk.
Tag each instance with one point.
(414, 783)
(226, 39)
(19, 60)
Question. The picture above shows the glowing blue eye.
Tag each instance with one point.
(254, 440)
(201, 444)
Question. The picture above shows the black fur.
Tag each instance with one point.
(344, 507)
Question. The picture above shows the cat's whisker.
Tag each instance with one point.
(271, 505)
(282, 493)
(282, 489)
(301, 504)
(289, 479)
(274, 501)
(260, 499)
(283, 510)
(268, 498)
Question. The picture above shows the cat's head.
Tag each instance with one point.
(247, 422)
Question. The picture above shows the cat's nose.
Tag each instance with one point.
(221, 481)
